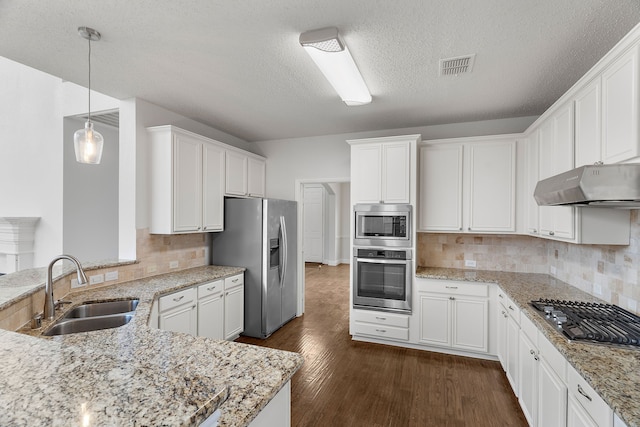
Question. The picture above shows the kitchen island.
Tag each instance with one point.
(612, 371)
(135, 374)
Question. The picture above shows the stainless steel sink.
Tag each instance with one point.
(72, 326)
(94, 316)
(102, 308)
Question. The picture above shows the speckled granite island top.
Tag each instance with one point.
(134, 374)
(614, 372)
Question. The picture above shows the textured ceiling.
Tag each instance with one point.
(237, 65)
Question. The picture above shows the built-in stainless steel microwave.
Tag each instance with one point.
(382, 225)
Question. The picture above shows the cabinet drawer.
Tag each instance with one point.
(233, 281)
(553, 357)
(210, 288)
(589, 399)
(176, 299)
(381, 331)
(453, 287)
(381, 318)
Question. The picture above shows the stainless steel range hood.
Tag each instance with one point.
(605, 186)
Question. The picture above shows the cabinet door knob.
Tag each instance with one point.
(469, 228)
(460, 228)
(452, 298)
(198, 228)
(531, 351)
(551, 233)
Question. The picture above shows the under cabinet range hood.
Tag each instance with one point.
(605, 186)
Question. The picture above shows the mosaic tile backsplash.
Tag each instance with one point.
(608, 272)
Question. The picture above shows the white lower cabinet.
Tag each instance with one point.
(178, 312)
(577, 416)
(233, 306)
(213, 310)
(552, 397)
(585, 404)
(454, 315)
(508, 336)
(528, 375)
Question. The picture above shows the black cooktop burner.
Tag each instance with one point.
(591, 322)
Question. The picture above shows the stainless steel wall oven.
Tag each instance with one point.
(382, 279)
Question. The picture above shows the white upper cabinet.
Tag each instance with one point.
(492, 174)
(555, 137)
(245, 174)
(212, 187)
(441, 187)
(186, 179)
(620, 94)
(606, 114)
(531, 179)
(588, 118)
(381, 169)
(468, 186)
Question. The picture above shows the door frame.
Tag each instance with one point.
(299, 192)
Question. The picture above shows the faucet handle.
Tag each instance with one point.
(60, 303)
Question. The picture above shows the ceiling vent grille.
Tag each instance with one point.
(457, 65)
(110, 118)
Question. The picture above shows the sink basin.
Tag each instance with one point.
(101, 309)
(94, 316)
(66, 326)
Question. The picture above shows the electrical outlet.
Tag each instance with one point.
(98, 278)
(597, 289)
(552, 270)
(75, 284)
(173, 264)
(469, 262)
(111, 275)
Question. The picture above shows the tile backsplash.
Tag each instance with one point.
(156, 254)
(611, 273)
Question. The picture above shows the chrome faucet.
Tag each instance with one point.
(49, 305)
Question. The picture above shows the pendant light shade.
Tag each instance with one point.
(88, 142)
(88, 145)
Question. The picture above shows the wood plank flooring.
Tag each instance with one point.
(350, 383)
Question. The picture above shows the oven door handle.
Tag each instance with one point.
(383, 261)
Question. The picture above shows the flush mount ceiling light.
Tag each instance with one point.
(88, 142)
(332, 56)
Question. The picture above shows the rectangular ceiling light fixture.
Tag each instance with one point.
(332, 56)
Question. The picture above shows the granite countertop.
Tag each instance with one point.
(135, 374)
(613, 371)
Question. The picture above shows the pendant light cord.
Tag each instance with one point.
(89, 117)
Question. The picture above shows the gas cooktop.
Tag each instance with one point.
(591, 322)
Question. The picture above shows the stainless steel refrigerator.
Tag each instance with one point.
(260, 235)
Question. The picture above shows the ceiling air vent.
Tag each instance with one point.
(457, 65)
(111, 118)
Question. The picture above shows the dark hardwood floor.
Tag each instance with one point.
(350, 383)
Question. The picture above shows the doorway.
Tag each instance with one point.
(324, 207)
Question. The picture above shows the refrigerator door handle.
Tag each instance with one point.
(285, 252)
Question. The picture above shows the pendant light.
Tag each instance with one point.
(88, 142)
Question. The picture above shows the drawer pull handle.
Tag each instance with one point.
(451, 287)
(211, 288)
(582, 392)
(500, 296)
(511, 308)
(381, 318)
(382, 331)
(235, 280)
(179, 298)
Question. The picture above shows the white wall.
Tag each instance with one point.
(33, 105)
(327, 157)
(90, 207)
